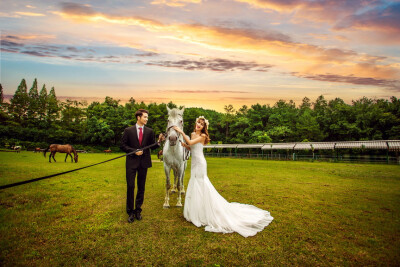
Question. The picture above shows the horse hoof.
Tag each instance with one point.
(183, 192)
(179, 204)
(173, 191)
(166, 207)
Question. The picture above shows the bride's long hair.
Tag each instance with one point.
(203, 131)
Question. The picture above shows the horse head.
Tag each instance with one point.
(175, 118)
(76, 157)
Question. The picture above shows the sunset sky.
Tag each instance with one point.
(200, 53)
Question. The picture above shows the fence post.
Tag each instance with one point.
(387, 156)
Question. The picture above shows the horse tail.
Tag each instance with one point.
(44, 152)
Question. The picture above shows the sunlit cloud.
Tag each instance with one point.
(392, 84)
(86, 13)
(213, 65)
(325, 10)
(206, 91)
(17, 44)
(185, 50)
(30, 14)
(309, 59)
(175, 3)
(9, 15)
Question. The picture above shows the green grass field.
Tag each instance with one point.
(325, 214)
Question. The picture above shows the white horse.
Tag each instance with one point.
(174, 156)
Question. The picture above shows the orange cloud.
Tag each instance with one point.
(30, 14)
(175, 3)
(260, 46)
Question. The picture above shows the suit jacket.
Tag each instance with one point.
(130, 142)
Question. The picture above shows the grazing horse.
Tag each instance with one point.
(107, 151)
(62, 149)
(37, 149)
(174, 156)
(16, 148)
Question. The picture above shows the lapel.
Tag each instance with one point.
(135, 136)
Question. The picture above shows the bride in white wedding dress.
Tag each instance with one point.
(204, 206)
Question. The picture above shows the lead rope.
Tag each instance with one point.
(57, 174)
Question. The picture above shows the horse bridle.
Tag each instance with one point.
(167, 131)
(185, 151)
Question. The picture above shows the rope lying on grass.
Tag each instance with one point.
(2, 150)
(57, 174)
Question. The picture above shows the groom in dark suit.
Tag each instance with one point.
(137, 137)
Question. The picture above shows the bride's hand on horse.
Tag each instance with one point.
(178, 130)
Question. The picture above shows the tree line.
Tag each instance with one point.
(37, 118)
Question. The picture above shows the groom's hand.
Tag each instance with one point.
(139, 153)
(161, 138)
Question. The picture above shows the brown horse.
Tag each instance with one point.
(62, 149)
(37, 149)
(107, 151)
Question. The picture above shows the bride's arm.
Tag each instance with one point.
(185, 145)
(199, 139)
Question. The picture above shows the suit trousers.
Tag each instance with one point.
(141, 182)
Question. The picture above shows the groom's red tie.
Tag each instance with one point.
(140, 135)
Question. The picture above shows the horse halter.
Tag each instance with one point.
(169, 128)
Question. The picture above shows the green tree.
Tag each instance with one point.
(342, 125)
(4, 117)
(228, 119)
(1, 95)
(282, 121)
(99, 132)
(260, 137)
(305, 104)
(113, 116)
(73, 116)
(307, 127)
(279, 133)
(19, 102)
(33, 108)
(53, 108)
(42, 111)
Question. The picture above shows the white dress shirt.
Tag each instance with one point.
(138, 131)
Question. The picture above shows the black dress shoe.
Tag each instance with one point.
(131, 218)
(138, 216)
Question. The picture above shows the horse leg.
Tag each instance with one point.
(71, 157)
(53, 156)
(167, 170)
(180, 173)
(174, 188)
(65, 160)
(50, 156)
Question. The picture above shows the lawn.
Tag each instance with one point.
(325, 214)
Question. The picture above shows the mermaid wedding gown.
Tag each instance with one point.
(204, 206)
